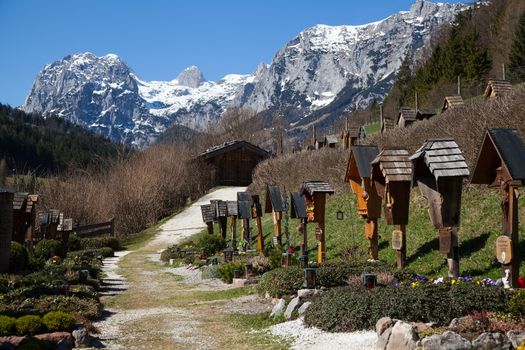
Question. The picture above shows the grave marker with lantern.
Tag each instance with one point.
(245, 214)
(359, 177)
(257, 214)
(298, 205)
(314, 193)
(392, 179)
(274, 205)
(501, 163)
(208, 215)
(438, 170)
(233, 212)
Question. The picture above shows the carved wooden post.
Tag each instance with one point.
(358, 176)
(392, 179)
(501, 163)
(6, 227)
(439, 170)
(315, 193)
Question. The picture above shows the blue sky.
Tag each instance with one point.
(159, 38)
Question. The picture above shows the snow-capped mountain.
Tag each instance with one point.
(316, 66)
(323, 68)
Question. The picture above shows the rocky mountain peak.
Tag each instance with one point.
(191, 77)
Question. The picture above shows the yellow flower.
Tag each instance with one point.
(453, 282)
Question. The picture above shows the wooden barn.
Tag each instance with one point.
(452, 102)
(233, 162)
(497, 88)
(406, 117)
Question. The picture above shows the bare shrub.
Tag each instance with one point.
(136, 191)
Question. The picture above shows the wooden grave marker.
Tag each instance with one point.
(233, 212)
(6, 227)
(208, 216)
(245, 214)
(359, 177)
(392, 179)
(501, 163)
(438, 170)
(221, 215)
(314, 193)
(274, 204)
(257, 215)
(298, 206)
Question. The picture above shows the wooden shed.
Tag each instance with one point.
(406, 117)
(497, 88)
(392, 178)
(501, 163)
(438, 170)
(359, 177)
(452, 102)
(314, 193)
(233, 162)
(330, 141)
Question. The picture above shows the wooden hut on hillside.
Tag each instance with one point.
(330, 141)
(353, 135)
(497, 88)
(452, 102)
(233, 162)
(406, 117)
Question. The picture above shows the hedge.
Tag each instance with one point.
(349, 309)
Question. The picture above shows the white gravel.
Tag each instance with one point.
(315, 339)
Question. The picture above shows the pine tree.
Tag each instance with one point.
(517, 52)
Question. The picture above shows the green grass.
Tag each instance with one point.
(372, 128)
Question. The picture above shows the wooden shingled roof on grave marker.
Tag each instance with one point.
(406, 117)
(315, 193)
(501, 163)
(451, 102)
(392, 179)
(274, 204)
(438, 170)
(208, 216)
(497, 88)
(330, 141)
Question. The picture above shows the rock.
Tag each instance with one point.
(26, 304)
(516, 338)
(82, 338)
(238, 282)
(431, 343)
(11, 340)
(303, 307)
(490, 341)
(458, 322)
(294, 305)
(278, 309)
(383, 324)
(403, 337)
(382, 340)
(57, 337)
(305, 293)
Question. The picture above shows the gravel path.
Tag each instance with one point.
(316, 339)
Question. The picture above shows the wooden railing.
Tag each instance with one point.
(92, 230)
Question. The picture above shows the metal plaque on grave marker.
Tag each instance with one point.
(67, 225)
(245, 211)
(397, 239)
(233, 209)
(208, 213)
(445, 240)
(504, 250)
(221, 209)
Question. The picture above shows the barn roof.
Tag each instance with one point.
(312, 187)
(509, 148)
(394, 164)
(451, 102)
(363, 156)
(330, 139)
(496, 88)
(230, 146)
(407, 113)
(442, 157)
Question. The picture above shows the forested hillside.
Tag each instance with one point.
(476, 47)
(29, 142)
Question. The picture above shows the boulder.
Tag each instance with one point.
(458, 322)
(383, 324)
(292, 306)
(11, 340)
(83, 338)
(306, 293)
(431, 343)
(56, 337)
(453, 341)
(490, 341)
(516, 338)
(403, 336)
(303, 307)
(238, 282)
(382, 340)
(278, 309)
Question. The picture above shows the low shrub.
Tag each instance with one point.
(73, 243)
(104, 252)
(59, 321)
(348, 309)
(210, 272)
(100, 242)
(172, 252)
(7, 325)
(29, 325)
(260, 264)
(226, 270)
(48, 248)
(88, 308)
(517, 304)
(281, 282)
(211, 244)
(18, 258)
